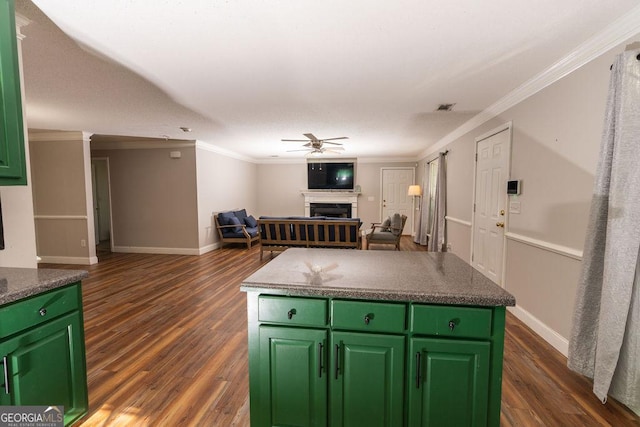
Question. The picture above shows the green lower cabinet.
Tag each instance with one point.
(293, 377)
(46, 366)
(448, 382)
(371, 363)
(366, 379)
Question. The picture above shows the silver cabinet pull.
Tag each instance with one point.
(6, 374)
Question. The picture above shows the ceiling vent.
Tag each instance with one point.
(445, 107)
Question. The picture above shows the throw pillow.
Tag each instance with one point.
(250, 221)
(235, 221)
(224, 218)
(242, 214)
(396, 224)
(386, 224)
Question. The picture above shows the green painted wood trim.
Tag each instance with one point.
(13, 170)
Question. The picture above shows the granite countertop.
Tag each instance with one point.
(431, 277)
(19, 283)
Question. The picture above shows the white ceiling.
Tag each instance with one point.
(245, 74)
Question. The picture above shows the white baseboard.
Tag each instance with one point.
(44, 259)
(212, 247)
(559, 342)
(159, 251)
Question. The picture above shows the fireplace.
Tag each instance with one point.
(335, 210)
(331, 199)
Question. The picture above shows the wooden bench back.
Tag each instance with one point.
(309, 233)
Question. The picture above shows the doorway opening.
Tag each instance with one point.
(101, 205)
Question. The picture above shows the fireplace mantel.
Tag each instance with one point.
(331, 197)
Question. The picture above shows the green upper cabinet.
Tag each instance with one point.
(12, 150)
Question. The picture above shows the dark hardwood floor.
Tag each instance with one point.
(166, 345)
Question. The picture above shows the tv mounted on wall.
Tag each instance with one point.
(330, 175)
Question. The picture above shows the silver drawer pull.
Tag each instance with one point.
(43, 312)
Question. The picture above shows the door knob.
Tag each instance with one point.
(500, 224)
(502, 212)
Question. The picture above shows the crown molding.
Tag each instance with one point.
(611, 36)
(57, 136)
(227, 153)
(21, 21)
(362, 160)
(139, 145)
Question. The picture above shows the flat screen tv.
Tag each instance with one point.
(330, 176)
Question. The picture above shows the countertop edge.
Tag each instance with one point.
(387, 295)
(46, 280)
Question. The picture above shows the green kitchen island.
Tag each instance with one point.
(374, 338)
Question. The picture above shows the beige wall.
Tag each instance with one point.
(555, 147)
(279, 189)
(281, 185)
(62, 197)
(224, 183)
(153, 199)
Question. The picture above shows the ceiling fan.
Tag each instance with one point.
(316, 146)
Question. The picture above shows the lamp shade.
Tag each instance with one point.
(414, 190)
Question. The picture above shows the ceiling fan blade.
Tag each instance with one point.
(332, 143)
(306, 149)
(333, 139)
(310, 136)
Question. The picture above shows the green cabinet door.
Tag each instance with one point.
(46, 366)
(12, 156)
(366, 379)
(448, 382)
(293, 383)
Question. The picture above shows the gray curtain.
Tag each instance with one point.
(605, 337)
(423, 215)
(437, 241)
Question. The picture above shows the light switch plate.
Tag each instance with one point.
(514, 207)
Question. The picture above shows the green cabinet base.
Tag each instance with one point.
(372, 363)
(43, 364)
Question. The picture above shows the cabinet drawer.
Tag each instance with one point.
(292, 311)
(368, 316)
(467, 322)
(32, 311)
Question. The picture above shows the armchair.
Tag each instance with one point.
(388, 232)
(237, 227)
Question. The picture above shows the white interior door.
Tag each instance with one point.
(395, 184)
(492, 171)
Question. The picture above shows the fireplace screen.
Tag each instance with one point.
(335, 210)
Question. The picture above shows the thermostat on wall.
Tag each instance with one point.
(514, 187)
